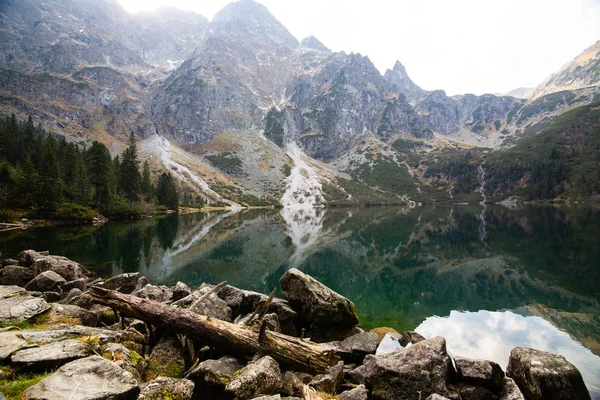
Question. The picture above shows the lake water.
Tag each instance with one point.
(487, 279)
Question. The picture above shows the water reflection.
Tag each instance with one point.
(492, 335)
(400, 266)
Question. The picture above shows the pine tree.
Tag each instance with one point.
(51, 185)
(166, 192)
(99, 171)
(146, 182)
(129, 179)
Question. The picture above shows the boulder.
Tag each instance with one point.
(167, 388)
(181, 290)
(510, 390)
(90, 378)
(63, 332)
(215, 372)
(384, 330)
(125, 358)
(424, 367)
(388, 344)
(21, 307)
(436, 396)
(410, 337)
(86, 317)
(166, 359)
(274, 397)
(260, 377)
(358, 393)
(47, 281)
(69, 270)
(271, 319)
(124, 283)
(27, 257)
(16, 275)
(543, 375)
(8, 261)
(315, 302)
(479, 372)
(51, 297)
(472, 392)
(356, 347)
(162, 294)
(10, 342)
(51, 355)
(76, 284)
(211, 306)
(72, 296)
(292, 383)
(329, 382)
(10, 291)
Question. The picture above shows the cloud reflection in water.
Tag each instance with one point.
(492, 335)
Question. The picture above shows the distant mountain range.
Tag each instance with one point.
(241, 90)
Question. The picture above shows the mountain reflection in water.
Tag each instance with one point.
(427, 267)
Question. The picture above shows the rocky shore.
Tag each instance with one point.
(60, 340)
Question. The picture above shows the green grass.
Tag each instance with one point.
(226, 162)
(13, 384)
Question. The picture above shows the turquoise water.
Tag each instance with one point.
(488, 279)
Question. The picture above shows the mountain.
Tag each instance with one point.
(518, 93)
(244, 112)
(582, 72)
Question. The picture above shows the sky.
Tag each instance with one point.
(460, 46)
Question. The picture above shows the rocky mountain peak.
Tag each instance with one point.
(247, 17)
(399, 78)
(313, 43)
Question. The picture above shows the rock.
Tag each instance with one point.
(471, 392)
(211, 306)
(356, 347)
(72, 296)
(124, 283)
(292, 384)
(27, 257)
(46, 281)
(10, 342)
(358, 393)
(322, 334)
(388, 344)
(410, 337)
(329, 382)
(400, 375)
(510, 390)
(8, 261)
(105, 315)
(91, 378)
(166, 359)
(16, 275)
(543, 375)
(65, 332)
(436, 396)
(316, 302)
(260, 377)
(479, 372)
(125, 358)
(51, 355)
(86, 317)
(10, 291)
(69, 270)
(271, 319)
(21, 307)
(274, 397)
(161, 294)
(51, 297)
(382, 331)
(181, 290)
(76, 284)
(167, 388)
(215, 372)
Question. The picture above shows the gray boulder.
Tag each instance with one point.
(72, 296)
(181, 290)
(167, 388)
(124, 283)
(47, 281)
(436, 396)
(162, 294)
(315, 302)
(51, 297)
(16, 275)
(410, 337)
(68, 269)
(10, 291)
(91, 378)
(166, 359)
(358, 393)
(21, 307)
(479, 372)
(86, 317)
(215, 372)
(125, 358)
(424, 367)
(10, 342)
(76, 284)
(272, 321)
(211, 306)
(356, 347)
(543, 375)
(472, 392)
(51, 355)
(329, 382)
(292, 383)
(274, 397)
(260, 377)
(510, 390)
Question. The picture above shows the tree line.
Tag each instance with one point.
(44, 176)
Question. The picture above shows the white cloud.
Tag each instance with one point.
(460, 46)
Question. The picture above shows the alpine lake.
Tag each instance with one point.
(488, 279)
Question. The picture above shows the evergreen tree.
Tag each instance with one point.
(99, 171)
(50, 183)
(129, 179)
(116, 166)
(147, 188)
(166, 192)
(28, 183)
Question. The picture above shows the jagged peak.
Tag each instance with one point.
(313, 43)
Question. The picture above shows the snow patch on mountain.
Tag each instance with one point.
(302, 187)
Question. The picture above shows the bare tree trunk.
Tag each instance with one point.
(290, 351)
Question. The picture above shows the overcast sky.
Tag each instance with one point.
(461, 46)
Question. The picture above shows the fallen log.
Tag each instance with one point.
(292, 352)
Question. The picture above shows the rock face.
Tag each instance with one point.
(402, 82)
(479, 372)
(87, 378)
(260, 377)
(51, 355)
(543, 375)
(316, 302)
(424, 367)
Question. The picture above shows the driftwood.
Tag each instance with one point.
(290, 351)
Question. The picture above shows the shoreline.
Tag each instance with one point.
(69, 305)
